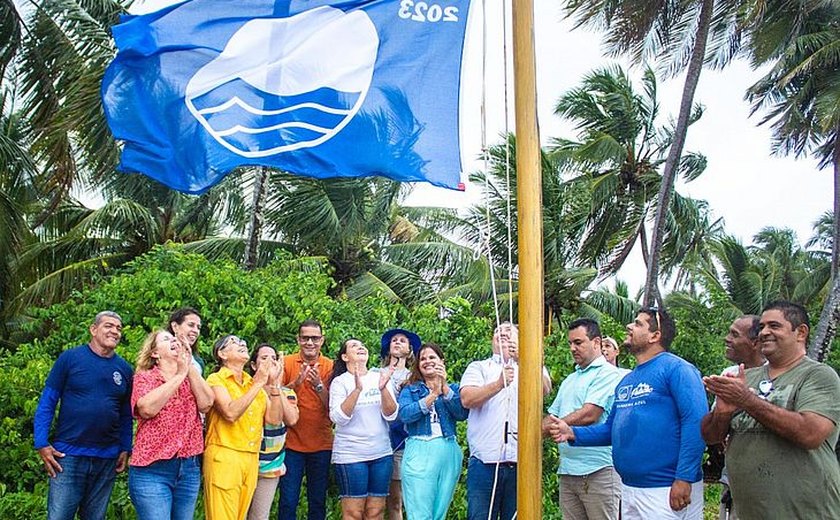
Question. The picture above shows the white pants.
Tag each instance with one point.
(654, 504)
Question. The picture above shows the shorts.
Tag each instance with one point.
(370, 478)
(396, 475)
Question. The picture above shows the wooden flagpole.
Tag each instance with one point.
(529, 197)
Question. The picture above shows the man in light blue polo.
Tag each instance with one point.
(589, 486)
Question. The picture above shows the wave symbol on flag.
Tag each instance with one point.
(283, 84)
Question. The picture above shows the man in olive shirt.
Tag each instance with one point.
(782, 421)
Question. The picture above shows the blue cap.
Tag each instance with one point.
(413, 340)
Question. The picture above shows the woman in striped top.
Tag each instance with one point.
(273, 447)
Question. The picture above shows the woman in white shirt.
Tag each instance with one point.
(361, 404)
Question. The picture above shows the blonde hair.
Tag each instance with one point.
(145, 361)
(607, 339)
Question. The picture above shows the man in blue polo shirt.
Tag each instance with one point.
(589, 486)
(92, 438)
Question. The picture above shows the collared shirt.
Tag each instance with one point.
(486, 423)
(313, 431)
(245, 433)
(594, 384)
(176, 429)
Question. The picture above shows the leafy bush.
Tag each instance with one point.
(261, 305)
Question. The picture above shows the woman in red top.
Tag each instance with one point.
(167, 395)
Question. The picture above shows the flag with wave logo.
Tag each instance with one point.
(316, 88)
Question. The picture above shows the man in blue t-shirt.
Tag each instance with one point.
(92, 437)
(654, 427)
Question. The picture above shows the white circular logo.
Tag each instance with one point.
(117, 378)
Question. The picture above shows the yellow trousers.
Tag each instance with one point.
(230, 478)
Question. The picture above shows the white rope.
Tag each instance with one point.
(485, 238)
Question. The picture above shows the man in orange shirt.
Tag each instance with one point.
(309, 442)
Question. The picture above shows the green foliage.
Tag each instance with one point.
(265, 304)
(701, 326)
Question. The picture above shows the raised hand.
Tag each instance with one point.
(262, 374)
(281, 363)
(313, 377)
(506, 377)
(183, 362)
(385, 376)
(302, 376)
(731, 390)
(360, 367)
(275, 373)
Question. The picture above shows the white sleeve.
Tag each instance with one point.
(473, 375)
(338, 393)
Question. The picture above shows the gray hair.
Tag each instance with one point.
(106, 314)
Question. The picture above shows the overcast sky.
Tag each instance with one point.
(744, 184)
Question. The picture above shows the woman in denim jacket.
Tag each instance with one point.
(431, 465)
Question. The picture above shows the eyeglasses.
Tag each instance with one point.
(236, 341)
(307, 339)
(765, 388)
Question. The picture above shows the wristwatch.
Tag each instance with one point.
(319, 387)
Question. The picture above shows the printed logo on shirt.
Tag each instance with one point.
(641, 390)
(624, 393)
(628, 392)
(433, 415)
(117, 378)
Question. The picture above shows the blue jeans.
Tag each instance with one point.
(166, 489)
(480, 477)
(370, 478)
(316, 466)
(83, 485)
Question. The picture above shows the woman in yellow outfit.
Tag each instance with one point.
(234, 428)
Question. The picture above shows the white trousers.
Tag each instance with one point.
(654, 504)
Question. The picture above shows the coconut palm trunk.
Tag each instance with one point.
(827, 326)
(669, 174)
(252, 246)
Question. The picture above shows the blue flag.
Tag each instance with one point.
(316, 88)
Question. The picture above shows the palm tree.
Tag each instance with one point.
(77, 243)
(773, 267)
(617, 158)
(372, 244)
(800, 96)
(679, 30)
(18, 198)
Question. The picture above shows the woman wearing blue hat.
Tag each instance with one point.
(398, 347)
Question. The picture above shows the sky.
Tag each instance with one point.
(743, 183)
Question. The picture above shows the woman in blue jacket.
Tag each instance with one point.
(431, 465)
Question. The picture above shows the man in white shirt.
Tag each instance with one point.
(489, 391)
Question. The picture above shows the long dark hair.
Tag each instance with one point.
(339, 365)
(415, 370)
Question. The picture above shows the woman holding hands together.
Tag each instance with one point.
(242, 407)
(361, 404)
(429, 408)
(166, 398)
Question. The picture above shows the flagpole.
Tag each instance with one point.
(529, 197)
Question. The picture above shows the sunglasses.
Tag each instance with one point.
(655, 314)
